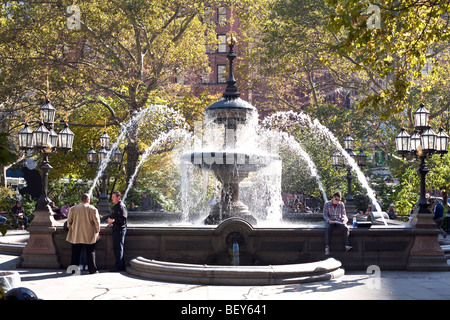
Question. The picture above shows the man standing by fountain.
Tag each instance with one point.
(335, 218)
(118, 221)
(84, 227)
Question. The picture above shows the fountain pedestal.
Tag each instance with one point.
(230, 168)
(230, 175)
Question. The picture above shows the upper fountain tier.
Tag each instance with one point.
(230, 110)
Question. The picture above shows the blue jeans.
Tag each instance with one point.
(118, 236)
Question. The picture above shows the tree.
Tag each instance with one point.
(126, 50)
(410, 33)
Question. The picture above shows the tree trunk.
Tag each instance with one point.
(3, 176)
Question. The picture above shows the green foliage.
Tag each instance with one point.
(437, 179)
(410, 33)
(7, 154)
(67, 190)
(7, 200)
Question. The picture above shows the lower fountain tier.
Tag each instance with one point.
(233, 164)
(230, 168)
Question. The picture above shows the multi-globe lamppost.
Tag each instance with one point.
(40, 250)
(98, 158)
(422, 144)
(339, 160)
(46, 141)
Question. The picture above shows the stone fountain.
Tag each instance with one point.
(229, 165)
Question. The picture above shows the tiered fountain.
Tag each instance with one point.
(228, 164)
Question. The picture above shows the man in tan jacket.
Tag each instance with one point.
(84, 227)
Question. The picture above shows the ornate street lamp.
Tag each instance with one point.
(349, 143)
(48, 113)
(40, 250)
(41, 137)
(361, 158)
(104, 140)
(423, 143)
(26, 138)
(92, 156)
(65, 138)
(336, 159)
(99, 158)
(45, 140)
(403, 143)
(442, 142)
(117, 157)
(421, 118)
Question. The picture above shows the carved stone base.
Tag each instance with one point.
(40, 251)
(426, 253)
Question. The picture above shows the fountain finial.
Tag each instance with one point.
(231, 92)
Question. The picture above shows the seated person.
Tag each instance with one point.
(63, 213)
(19, 215)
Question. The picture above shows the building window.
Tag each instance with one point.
(221, 73)
(222, 40)
(222, 15)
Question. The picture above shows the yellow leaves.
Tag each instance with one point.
(388, 58)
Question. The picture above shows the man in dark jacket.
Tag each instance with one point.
(118, 222)
(438, 217)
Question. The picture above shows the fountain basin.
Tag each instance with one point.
(236, 275)
(385, 246)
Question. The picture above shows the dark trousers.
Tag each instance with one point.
(341, 227)
(90, 254)
(118, 236)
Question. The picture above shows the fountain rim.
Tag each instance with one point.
(236, 275)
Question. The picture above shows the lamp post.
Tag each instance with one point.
(339, 160)
(423, 143)
(98, 158)
(40, 250)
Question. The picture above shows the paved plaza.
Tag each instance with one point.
(354, 285)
